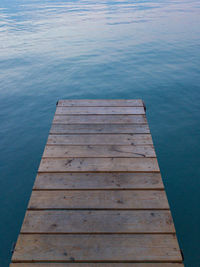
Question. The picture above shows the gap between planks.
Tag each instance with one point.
(97, 189)
(123, 264)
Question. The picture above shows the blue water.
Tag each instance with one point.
(51, 50)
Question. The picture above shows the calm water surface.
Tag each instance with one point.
(51, 50)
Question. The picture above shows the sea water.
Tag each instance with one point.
(118, 49)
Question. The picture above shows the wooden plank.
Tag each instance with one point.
(100, 139)
(81, 221)
(100, 119)
(102, 181)
(63, 151)
(35, 264)
(101, 103)
(99, 128)
(72, 248)
(100, 110)
(99, 165)
(121, 199)
(98, 199)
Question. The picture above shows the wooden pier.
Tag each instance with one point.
(98, 199)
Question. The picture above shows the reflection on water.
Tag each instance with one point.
(106, 49)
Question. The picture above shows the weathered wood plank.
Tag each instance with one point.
(99, 110)
(98, 181)
(101, 103)
(63, 151)
(72, 248)
(99, 165)
(99, 128)
(121, 199)
(96, 264)
(98, 199)
(100, 119)
(66, 221)
(100, 139)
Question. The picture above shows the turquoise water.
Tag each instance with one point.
(51, 50)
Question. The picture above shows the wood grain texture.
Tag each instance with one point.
(101, 181)
(99, 165)
(99, 110)
(66, 221)
(98, 199)
(101, 103)
(72, 248)
(99, 128)
(100, 139)
(62, 151)
(127, 199)
(100, 119)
